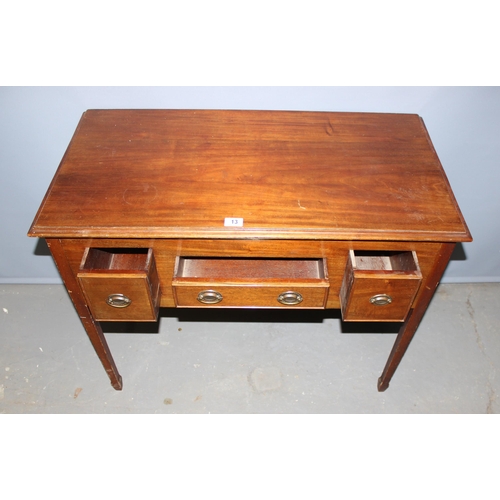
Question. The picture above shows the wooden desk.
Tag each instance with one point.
(191, 208)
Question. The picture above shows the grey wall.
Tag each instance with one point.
(36, 124)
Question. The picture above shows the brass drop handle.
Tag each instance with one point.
(381, 299)
(118, 300)
(209, 297)
(290, 298)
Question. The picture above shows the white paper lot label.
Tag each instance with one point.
(233, 222)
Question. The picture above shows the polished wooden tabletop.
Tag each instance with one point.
(277, 174)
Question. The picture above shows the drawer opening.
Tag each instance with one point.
(215, 268)
(121, 284)
(118, 259)
(384, 261)
(379, 285)
(250, 282)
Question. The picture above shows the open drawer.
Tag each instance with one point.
(259, 283)
(379, 286)
(120, 284)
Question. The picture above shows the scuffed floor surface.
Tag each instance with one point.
(248, 361)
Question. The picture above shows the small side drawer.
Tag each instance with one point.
(120, 284)
(250, 283)
(379, 286)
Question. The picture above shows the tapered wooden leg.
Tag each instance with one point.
(410, 326)
(92, 327)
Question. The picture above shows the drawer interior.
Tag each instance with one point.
(384, 261)
(118, 259)
(223, 269)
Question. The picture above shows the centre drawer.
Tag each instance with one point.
(258, 283)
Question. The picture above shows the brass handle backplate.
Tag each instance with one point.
(118, 300)
(290, 298)
(381, 299)
(209, 297)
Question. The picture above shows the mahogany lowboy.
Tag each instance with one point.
(245, 209)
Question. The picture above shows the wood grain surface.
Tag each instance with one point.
(288, 175)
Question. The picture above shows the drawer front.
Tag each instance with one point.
(378, 299)
(121, 298)
(218, 295)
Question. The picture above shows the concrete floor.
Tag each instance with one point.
(252, 362)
